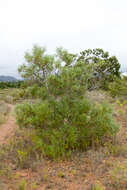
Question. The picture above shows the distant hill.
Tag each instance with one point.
(7, 79)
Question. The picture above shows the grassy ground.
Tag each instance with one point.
(103, 168)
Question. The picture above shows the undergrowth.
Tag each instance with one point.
(4, 111)
(60, 132)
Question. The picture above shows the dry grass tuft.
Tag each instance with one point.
(4, 110)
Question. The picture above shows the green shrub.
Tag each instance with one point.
(118, 87)
(22, 185)
(28, 115)
(18, 94)
(17, 84)
(65, 119)
(63, 129)
(30, 92)
(97, 186)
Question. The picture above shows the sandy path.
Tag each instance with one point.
(7, 129)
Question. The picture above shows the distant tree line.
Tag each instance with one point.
(16, 84)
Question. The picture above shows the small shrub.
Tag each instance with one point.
(61, 174)
(118, 88)
(97, 186)
(22, 185)
(4, 110)
(116, 150)
(119, 174)
(6, 171)
(21, 151)
(22, 157)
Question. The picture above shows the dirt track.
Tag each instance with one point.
(7, 129)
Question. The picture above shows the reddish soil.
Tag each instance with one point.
(7, 129)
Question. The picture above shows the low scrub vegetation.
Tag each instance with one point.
(5, 85)
(65, 111)
(118, 88)
(58, 135)
(21, 150)
(4, 110)
(119, 174)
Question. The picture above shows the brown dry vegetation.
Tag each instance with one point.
(4, 111)
(103, 168)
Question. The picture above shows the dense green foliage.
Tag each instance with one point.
(58, 135)
(105, 69)
(118, 87)
(103, 62)
(38, 66)
(17, 84)
(64, 117)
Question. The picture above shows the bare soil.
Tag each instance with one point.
(7, 129)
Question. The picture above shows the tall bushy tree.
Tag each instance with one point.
(102, 61)
(105, 68)
(39, 65)
(66, 119)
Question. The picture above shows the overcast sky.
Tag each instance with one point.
(74, 24)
